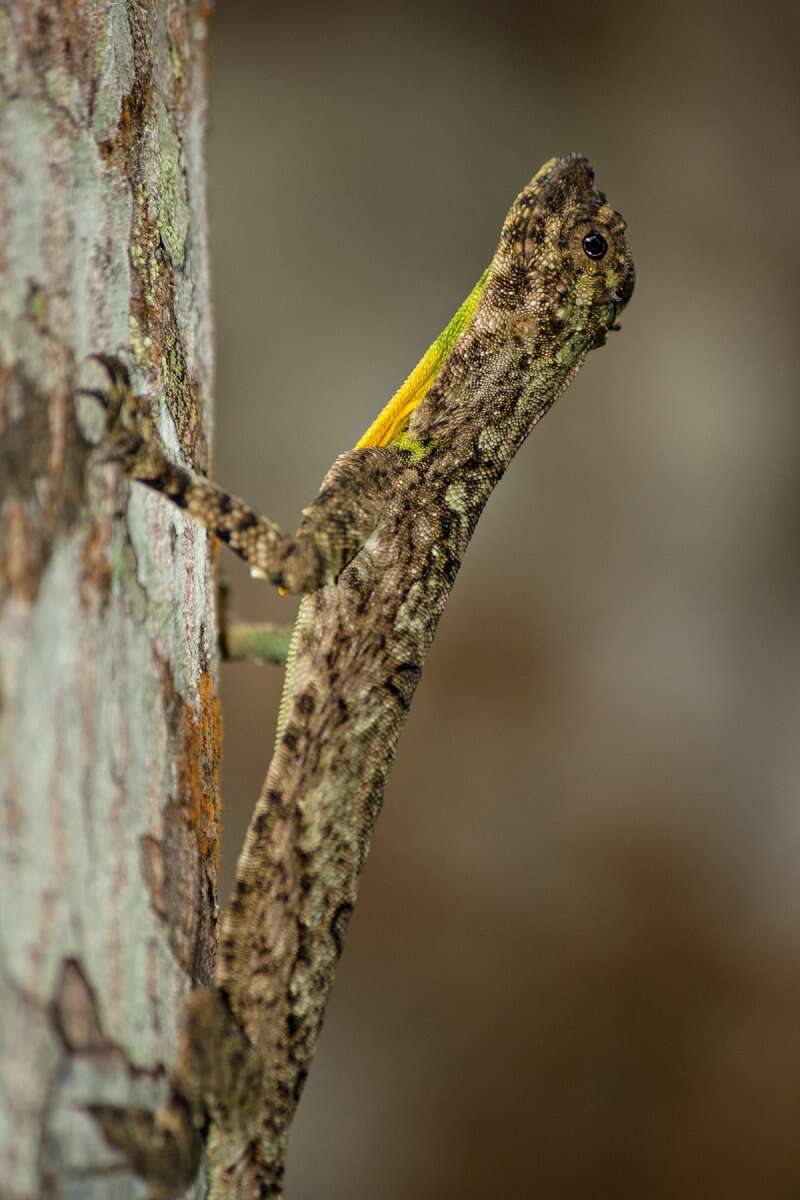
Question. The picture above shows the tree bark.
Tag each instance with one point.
(109, 724)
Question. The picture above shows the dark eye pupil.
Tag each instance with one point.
(595, 245)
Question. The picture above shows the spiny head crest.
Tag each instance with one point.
(563, 271)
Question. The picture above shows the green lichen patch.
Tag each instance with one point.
(171, 195)
(141, 344)
(175, 378)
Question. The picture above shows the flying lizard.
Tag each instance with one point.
(375, 556)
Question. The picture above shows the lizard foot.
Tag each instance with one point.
(129, 426)
(163, 1148)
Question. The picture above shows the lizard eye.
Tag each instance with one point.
(594, 245)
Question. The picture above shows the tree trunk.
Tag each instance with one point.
(109, 725)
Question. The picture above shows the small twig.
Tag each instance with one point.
(259, 642)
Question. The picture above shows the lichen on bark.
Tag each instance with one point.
(109, 725)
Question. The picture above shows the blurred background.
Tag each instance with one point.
(575, 967)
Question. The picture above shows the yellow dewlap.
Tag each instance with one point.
(395, 416)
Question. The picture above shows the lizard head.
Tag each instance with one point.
(558, 281)
(563, 271)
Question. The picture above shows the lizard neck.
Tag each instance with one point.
(495, 385)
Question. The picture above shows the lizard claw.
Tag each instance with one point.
(127, 424)
(111, 398)
(117, 371)
(114, 397)
(164, 1148)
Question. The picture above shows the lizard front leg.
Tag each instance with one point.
(333, 529)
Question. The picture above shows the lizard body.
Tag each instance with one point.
(376, 555)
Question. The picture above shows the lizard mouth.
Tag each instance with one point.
(628, 284)
(618, 298)
(617, 305)
(612, 300)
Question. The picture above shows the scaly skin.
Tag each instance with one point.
(377, 552)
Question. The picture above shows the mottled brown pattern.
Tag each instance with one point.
(382, 543)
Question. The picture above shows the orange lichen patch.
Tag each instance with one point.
(198, 767)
